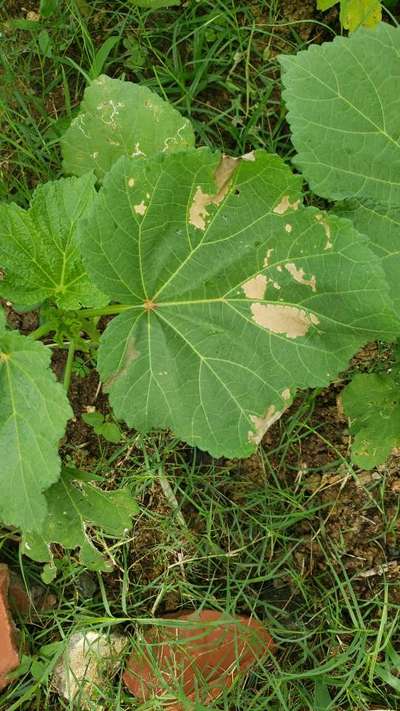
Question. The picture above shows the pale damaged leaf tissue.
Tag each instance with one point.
(234, 293)
(118, 118)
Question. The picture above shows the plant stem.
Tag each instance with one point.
(107, 310)
(43, 330)
(68, 365)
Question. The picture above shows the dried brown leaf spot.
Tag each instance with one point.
(284, 205)
(198, 210)
(298, 275)
(327, 229)
(255, 288)
(262, 424)
(141, 208)
(287, 320)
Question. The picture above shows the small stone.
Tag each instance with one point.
(90, 659)
(9, 657)
(198, 657)
(32, 16)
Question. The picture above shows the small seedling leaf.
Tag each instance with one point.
(372, 402)
(118, 118)
(94, 419)
(38, 247)
(33, 413)
(111, 432)
(73, 504)
(235, 294)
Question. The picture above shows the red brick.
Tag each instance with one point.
(9, 657)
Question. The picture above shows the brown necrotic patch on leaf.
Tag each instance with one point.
(141, 208)
(255, 288)
(267, 257)
(284, 205)
(249, 156)
(198, 210)
(298, 275)
(262, 424)
(288, 320)
(129, 356)
(327, 229)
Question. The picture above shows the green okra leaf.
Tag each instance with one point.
(235, 294)
(33, 413)
(118, 118)
(372, 402)
(39, 253)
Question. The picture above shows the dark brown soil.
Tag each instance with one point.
(296, 10)
(19, 8)
(358, 507)
(24, 323)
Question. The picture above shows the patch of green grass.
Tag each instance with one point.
(231, 544)
(215, 60)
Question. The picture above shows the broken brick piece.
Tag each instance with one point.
(198, 657)
(9, 657)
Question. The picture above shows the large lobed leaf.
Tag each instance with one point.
(39, 253)
(372, 402)
(118, 118)
(74, 503)
(381, 224)
(231, 296)
(33, 413)
(344, 112)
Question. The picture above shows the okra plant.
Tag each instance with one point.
(226, 293)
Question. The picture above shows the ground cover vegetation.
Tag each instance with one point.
(261, 287)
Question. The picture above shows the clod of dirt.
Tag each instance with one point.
(198, 657)
(9, 657)
(89, 659)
